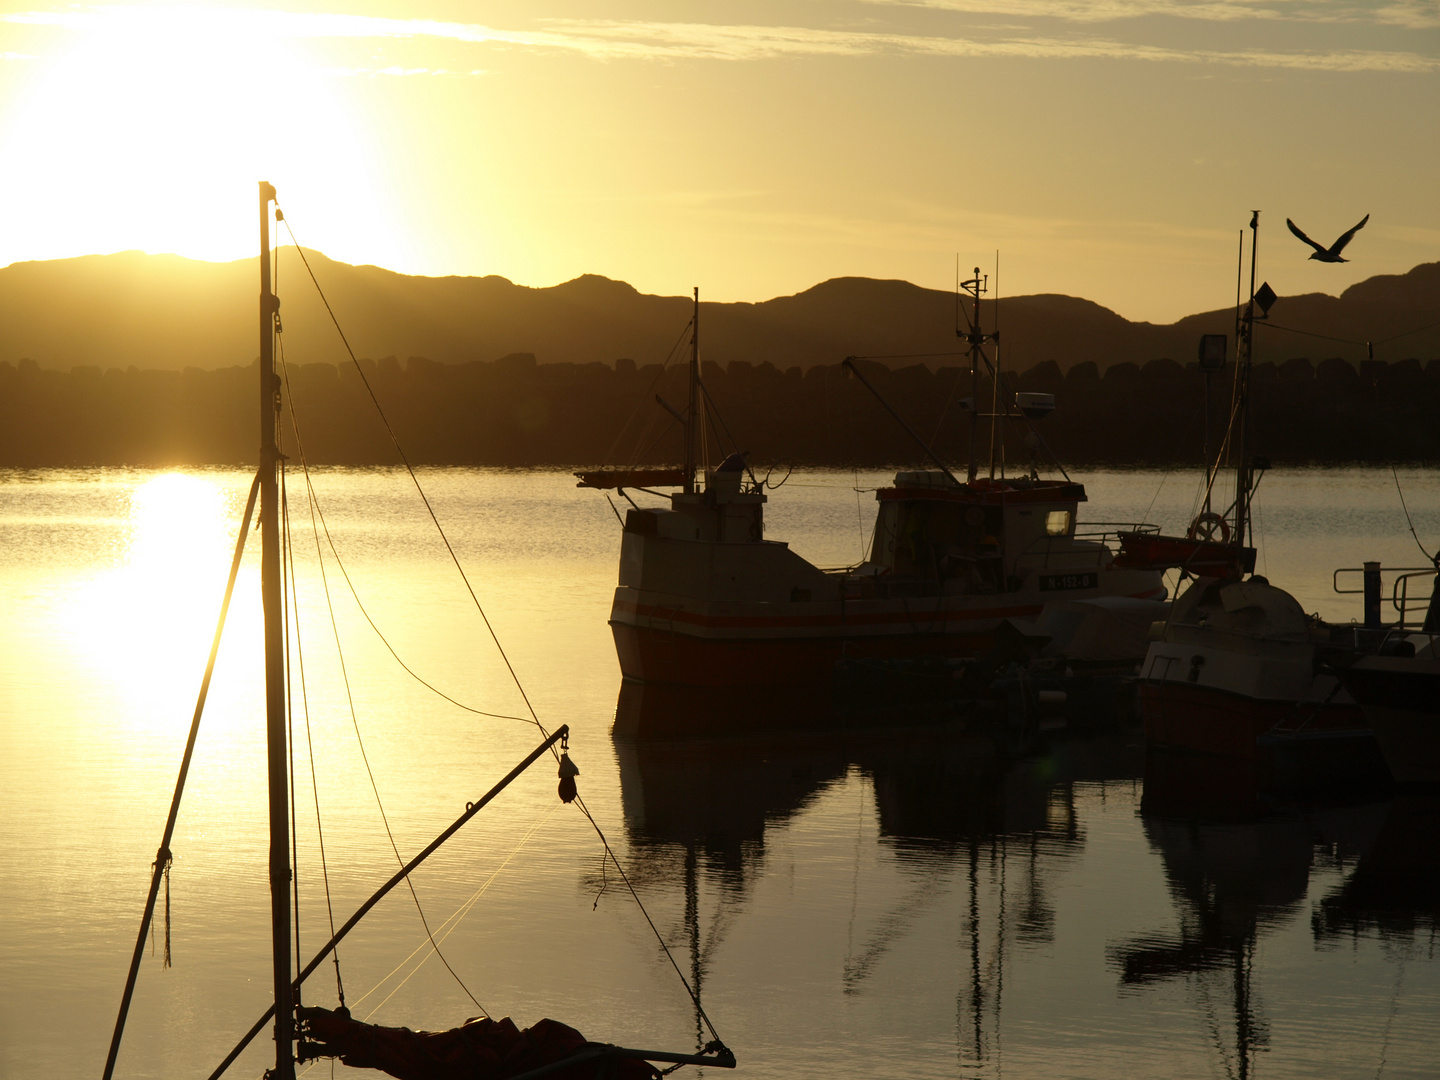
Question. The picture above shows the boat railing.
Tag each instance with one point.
(1108, 532)
(1400, 598)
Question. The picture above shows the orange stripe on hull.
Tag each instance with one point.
(846, 618)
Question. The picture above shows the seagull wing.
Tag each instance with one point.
(1296, 230)
(1339, 245)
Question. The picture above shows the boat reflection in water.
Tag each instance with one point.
(959, 819)
(1238, 867)
(1395, 889)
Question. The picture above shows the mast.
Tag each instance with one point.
(278, 767)
(691, 413)
(997, 410)
(976, 339)
(1242, 377)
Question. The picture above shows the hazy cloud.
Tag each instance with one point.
(757, 42)
(614, 40)
(1407, 13)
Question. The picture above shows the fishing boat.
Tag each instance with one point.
(1234, 669)
(479, 1049)
(705, 599)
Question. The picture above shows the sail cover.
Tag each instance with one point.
(479, 1049)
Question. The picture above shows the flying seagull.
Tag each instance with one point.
(1332, 253)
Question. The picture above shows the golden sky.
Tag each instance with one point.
(1110, 149)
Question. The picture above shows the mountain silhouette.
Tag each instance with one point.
(168, 312)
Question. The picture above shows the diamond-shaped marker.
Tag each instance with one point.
(1265, 297)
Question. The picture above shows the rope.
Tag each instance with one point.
(168, 861)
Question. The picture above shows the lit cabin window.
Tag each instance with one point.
(1057, 523)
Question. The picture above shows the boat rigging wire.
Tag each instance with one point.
(1349, 341)
(405, 460)
(453, 921)
(289, 602)
(287, 572)
(694, 997)
(550, 740)
(163, 855)
(1433, 558)
(674, 351)
(615, 508)
(350, 700)
(712, 414)
(471, 809)
(1146, 516)
(355, 594)
(309, 743)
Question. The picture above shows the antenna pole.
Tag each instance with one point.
(278, 763)
(690, 413)
(1244, 359)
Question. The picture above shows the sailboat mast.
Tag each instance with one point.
(692, 414)
(278, 765)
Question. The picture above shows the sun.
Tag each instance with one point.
(151, 129)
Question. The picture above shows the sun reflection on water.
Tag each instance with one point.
(145, 624)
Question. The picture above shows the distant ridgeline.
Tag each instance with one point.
(515, 412)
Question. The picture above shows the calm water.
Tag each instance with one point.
(851, 907)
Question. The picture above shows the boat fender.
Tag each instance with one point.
(1196, 663)
(568, 771)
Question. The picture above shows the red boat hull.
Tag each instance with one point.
(1205, 720)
